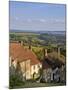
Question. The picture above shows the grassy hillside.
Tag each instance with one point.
(38, 41)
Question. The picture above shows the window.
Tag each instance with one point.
(38, 66)
(34, 67)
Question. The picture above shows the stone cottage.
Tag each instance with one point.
(52, 70)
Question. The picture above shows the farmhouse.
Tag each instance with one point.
(24, 60)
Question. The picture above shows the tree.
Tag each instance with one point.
(15, 77)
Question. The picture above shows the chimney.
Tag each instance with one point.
(30, 47)
(45, 52)
(58, 52)
(21, 43)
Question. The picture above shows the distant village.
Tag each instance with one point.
(24, 62)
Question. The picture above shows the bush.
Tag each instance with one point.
(15, 80)
(15, 77)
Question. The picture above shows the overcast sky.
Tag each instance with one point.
(36, 16)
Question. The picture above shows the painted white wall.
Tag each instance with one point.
(28, 69)
(36, 69)
(25, 68)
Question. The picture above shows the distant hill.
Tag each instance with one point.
(40, 32)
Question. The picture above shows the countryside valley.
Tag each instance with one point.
(37, 58)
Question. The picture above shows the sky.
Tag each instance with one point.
(36, 16)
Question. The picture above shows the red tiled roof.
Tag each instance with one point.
(19, 52)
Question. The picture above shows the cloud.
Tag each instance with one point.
(38, 24)
(57, 21)
(42, 20)
(29, 20)
(16, 18)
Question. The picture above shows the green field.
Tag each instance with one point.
(34, 84)
(37, 39)
(40, 41)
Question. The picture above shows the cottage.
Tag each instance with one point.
(24, 60)
(47, 70)
(52, 69)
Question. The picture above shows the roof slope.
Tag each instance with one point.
(51, 63)
(45, 64)
(20, 53)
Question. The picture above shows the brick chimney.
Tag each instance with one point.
(30, 47)
(58, 52)
(21, 43)
(45, 52)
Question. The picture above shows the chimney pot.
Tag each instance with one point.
(45, 53)
(58, 52)
(21, 43)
